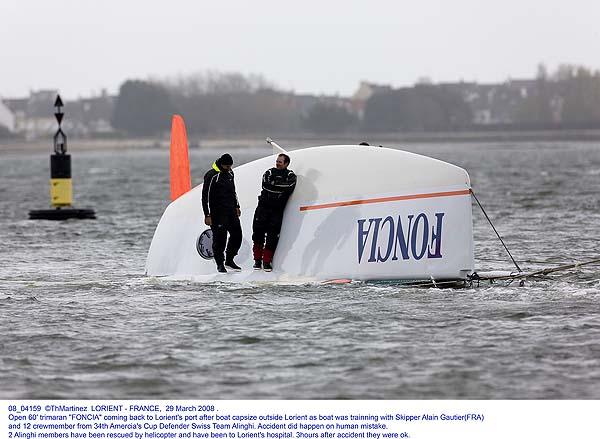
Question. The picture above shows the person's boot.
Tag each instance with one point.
(221, 268)
(267, 259)
(232, 265)
(257, 264)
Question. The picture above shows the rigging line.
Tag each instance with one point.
(528, 261)
(497, 234)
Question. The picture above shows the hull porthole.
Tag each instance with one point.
(204, 244)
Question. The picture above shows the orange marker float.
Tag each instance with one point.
(181, 181)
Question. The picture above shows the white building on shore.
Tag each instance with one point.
(33, 117)
(7, 118)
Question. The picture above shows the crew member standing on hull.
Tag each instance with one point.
(278, 183)
(221, 212)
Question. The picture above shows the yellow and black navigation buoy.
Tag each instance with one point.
(61, 187)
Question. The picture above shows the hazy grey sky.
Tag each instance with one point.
(309, 46)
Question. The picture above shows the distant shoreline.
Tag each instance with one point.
(300, 140)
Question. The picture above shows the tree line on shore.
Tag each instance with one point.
(568, 97)
(235, 104)
(232, 103)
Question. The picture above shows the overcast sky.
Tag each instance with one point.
(308, 46)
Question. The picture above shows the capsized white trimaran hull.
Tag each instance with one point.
(358, 212)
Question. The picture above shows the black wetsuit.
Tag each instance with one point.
(219, 200)
(277, 186)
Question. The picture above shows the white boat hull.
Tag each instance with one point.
(357, 213)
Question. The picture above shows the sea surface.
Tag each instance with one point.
(80, 320)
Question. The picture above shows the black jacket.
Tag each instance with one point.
(277, 186)
(218, 193)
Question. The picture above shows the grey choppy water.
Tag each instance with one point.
(80, 320)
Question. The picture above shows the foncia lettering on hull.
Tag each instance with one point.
(358, 212)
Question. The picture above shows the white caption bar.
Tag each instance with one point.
(197, 419)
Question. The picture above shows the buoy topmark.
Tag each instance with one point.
(61, 187)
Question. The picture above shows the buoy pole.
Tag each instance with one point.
(61, 186)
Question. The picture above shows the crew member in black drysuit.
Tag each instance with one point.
(221, 212)
(278, 183)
